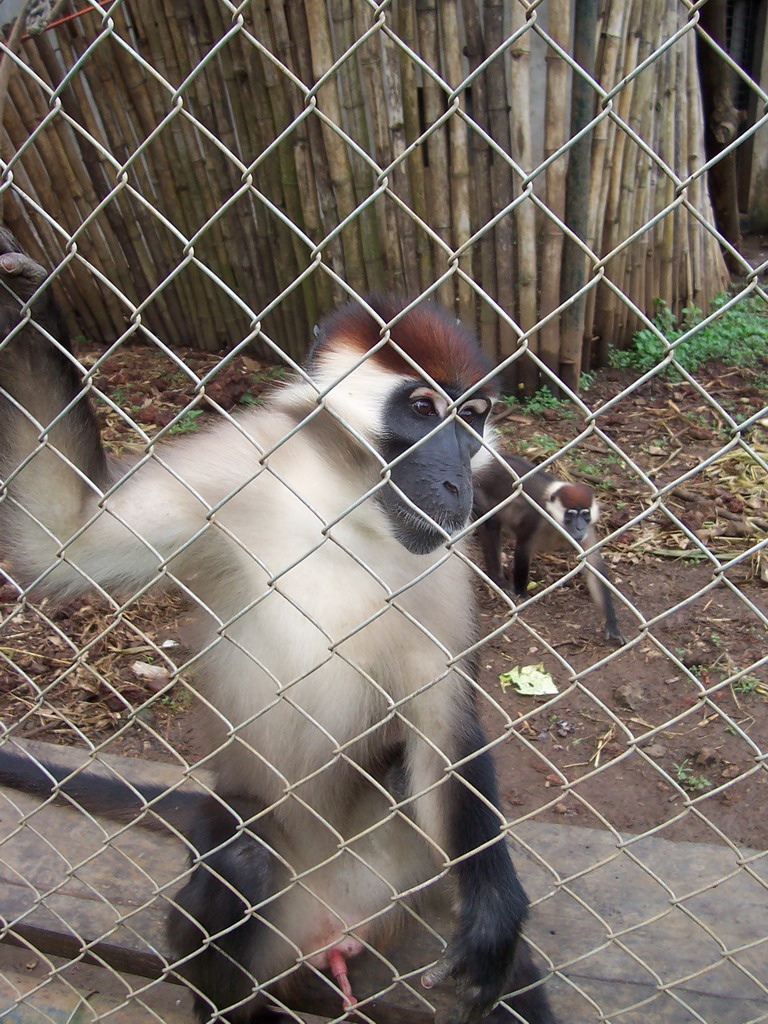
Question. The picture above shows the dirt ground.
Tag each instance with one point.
(669, 732)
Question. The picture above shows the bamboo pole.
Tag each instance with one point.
(666, 150)
(459, 157)
(59, 178)
(186, 24)
(683, 285)
(158, 182)
(338, 157)
(407, 29)
(525, 213)
(153, 180)
(503, 186)
(7, 66)
(372, 92)
(298, 310)
(608, 311)
(439, 198)
(222, 90)
(317, 165)
(316, 286)
(635, 209)
(355, 123)
(607, 67)
(178, 146)
(400, 177)
(128, 221)
(88, 314)
(696, 159)
(555, 134)
(482, 207)
(574, 273)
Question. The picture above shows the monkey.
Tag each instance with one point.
(545, 514)
(313, 536)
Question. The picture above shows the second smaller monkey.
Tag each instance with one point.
(528, 519)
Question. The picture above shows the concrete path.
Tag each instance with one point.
(638, 930)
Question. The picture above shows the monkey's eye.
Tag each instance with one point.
(426, 402)
(474, 409)
(423, 406)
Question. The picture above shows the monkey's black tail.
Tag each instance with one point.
(150, 805)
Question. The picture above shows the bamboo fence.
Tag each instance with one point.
(212, 177)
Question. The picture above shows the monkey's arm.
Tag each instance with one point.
(485, 957)
(55, 523)
(489, 535)
(599, 591)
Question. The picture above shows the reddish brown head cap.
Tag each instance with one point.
(575, 495)
(444, 349)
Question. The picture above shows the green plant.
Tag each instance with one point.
(187, 423)
(738, 336)
(541, 444)
(249, 399)
(747, 684)
(687, 779)
(539, 402)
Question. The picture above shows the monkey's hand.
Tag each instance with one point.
(480, 959)
(613, 635)
(19, 273)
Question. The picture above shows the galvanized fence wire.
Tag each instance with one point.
(675, 939)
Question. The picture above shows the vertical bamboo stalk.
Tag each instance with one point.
(683, 284)
(400, 178)
(412, 124)
(60, 178)
(156, 174)
(503, 185)
(609, 308)
(374, 102)
(525, 214)
(177, 145)
(572, 322)
(88, 314)
(127, 220)
(356, 125)
(313, 159)
(278, 177)
(635, 209)
(555, 128)
(185, 23)
(338, 157)
(7, 65)
(459, 157)
(482, 208)
(666, 150)
(607, 67)
(439, 198)
(695, 192)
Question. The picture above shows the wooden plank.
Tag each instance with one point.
(91, 890)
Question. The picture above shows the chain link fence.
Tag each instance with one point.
(204, 183)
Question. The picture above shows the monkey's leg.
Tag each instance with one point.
(489, 535)
(215, 925)
(601, 596)
(484, 957)
(521, 572)
(532, 1005)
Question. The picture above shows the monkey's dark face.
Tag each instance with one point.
(429, 443)
(576, 521)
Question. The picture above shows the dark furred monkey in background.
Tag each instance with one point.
(339, 697)
(546, 514)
